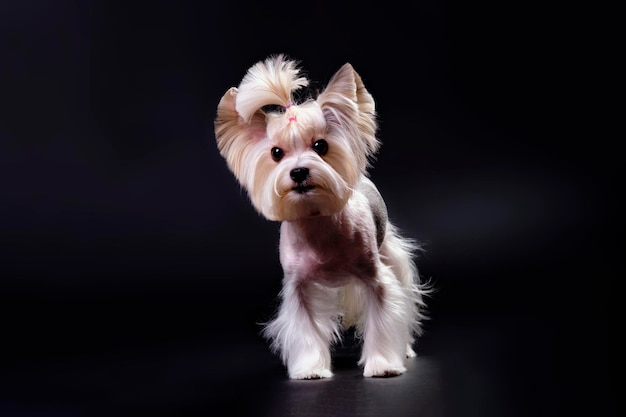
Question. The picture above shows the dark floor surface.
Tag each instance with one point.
(466, 366)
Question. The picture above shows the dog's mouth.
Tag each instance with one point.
(302, 188)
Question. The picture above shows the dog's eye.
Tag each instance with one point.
(320, 146)
(277, 154)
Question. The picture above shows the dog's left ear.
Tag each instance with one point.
(345, 100)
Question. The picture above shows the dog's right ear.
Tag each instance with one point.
(234, 136)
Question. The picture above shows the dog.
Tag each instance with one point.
(345, 264)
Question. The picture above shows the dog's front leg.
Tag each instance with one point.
(304, 329)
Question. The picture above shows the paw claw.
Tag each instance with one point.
(388, 373)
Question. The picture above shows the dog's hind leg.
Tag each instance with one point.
(386, 331)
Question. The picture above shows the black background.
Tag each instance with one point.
(134, 273)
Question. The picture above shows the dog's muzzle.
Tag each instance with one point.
(299, 176)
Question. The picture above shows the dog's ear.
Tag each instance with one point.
(363, 97)
(341, 86)
(234, 136)
(345, 101)
(347, 83)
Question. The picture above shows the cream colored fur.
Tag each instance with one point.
(345, 264)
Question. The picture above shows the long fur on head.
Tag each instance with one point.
(343, 114)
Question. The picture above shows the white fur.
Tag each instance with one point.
(345, 264)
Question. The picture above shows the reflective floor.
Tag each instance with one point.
(466, 366)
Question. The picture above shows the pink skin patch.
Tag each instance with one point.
(329, 251)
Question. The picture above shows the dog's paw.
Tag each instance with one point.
(318, 373)
(410, 353)
(382, 368)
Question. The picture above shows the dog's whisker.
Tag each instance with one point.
(276, 193)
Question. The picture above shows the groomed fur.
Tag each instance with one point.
(345, 264)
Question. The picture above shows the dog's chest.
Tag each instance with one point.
(328, 251)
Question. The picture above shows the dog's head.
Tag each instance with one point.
(296, 160)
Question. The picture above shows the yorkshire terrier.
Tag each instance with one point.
(345, 264)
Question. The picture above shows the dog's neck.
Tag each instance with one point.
(320, 229)
(318, 225)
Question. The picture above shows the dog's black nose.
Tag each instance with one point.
(299, 174)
